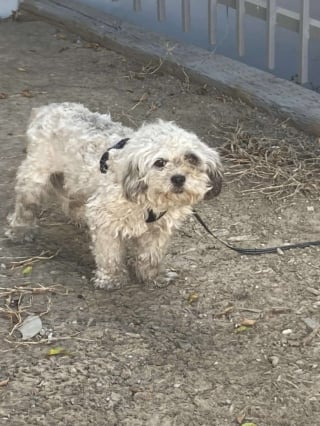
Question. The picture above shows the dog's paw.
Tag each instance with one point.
(21, 234)
(106, 281)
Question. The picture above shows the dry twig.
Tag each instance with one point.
(49, 341)
(29, 261)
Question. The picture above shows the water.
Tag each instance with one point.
(287, 42)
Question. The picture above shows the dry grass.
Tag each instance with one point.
(149, 69)
(273, 167)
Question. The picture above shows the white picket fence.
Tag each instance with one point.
(267, 10)
(300, 22)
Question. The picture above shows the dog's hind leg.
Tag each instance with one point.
(76, 212)
(32, 185)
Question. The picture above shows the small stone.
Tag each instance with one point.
(274, 360)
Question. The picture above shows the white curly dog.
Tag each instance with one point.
(127, 185)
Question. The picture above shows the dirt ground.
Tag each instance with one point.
(175, 355)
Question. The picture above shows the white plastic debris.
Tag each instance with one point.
(311, 323)
(30, 327)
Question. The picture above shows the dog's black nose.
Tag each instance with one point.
(178, 180)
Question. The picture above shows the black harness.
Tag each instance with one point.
(152, 216)
(105, 155)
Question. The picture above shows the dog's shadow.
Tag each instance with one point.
(71, 243)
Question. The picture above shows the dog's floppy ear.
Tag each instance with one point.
(214, 172)
(216, 185)
(133, 184)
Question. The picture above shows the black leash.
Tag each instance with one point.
(255, 251)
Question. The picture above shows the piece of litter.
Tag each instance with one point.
(287, 331)
(30, 327)
(279, 251)
(171, 274)
(57, 351)
(241, 329)
(193, 297)
(27, 270)
(310, 209)
(248, 322)
(311, 323)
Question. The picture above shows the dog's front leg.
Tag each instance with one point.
(150, 249)
(108, 253)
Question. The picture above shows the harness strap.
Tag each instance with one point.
(105, 156)
(152, 217)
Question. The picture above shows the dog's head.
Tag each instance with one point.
(164, 165)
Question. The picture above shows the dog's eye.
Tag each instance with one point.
(160, 163)
(192, 159)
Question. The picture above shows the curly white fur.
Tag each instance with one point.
(162, 168)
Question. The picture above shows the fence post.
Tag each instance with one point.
(161, 10)
(185, 5)
(304, 32)
(212, 21)
(240, 6)
(137, 5)
(271, 32)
